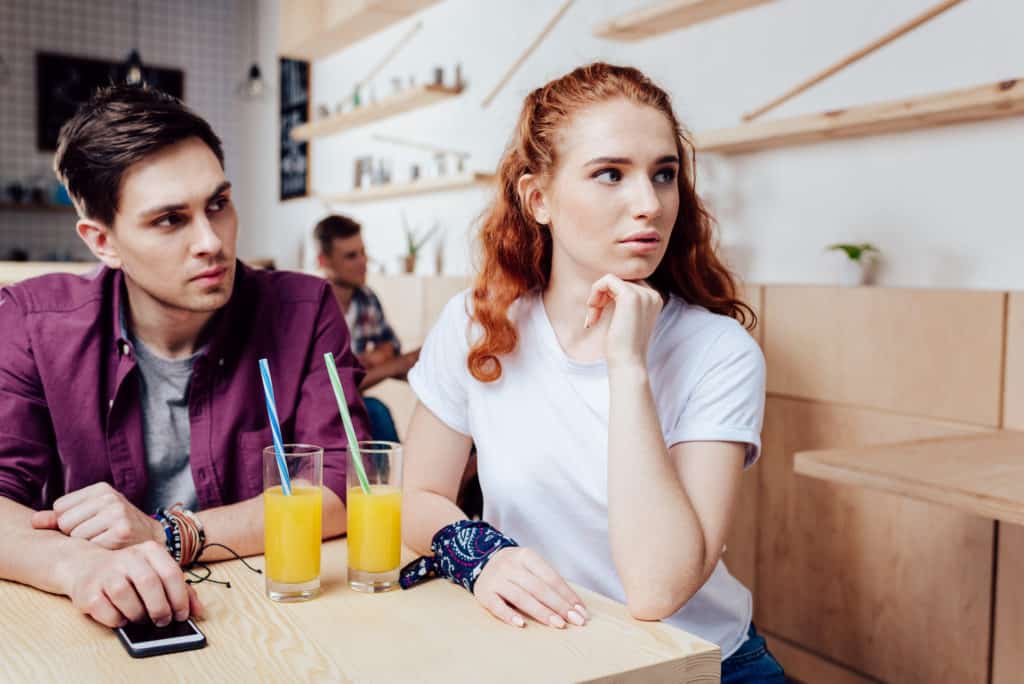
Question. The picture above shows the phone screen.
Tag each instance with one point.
(139, 633)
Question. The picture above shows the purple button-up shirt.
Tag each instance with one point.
(69, 389)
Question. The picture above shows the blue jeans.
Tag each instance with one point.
(382, 425)
(752, 664)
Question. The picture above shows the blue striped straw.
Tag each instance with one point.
(275, 426)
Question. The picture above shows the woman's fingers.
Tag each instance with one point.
(524, 600)
(539, 567)
(501, 610)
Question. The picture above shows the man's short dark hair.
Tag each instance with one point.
(332, 228)
(119, 126)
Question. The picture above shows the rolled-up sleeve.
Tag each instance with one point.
(26, 430)
(317, 420)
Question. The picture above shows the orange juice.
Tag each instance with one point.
(291, 534)
(374, 529)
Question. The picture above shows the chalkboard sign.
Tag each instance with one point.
(64, 82)
(294, 165)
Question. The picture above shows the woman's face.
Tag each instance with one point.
(613, 198)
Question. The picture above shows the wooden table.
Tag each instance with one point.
(981, 474)
(433, 633)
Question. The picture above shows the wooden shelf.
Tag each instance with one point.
(423, 186)
(312, 29)
(979, 474)
(407, 100)
(668, 15)
(46, 208)
(992, 101)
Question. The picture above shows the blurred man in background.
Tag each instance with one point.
(342, 258)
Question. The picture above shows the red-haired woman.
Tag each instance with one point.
(600, 367)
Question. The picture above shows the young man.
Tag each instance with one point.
(137, 387)
(343, 260)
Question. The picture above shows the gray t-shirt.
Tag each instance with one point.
(163, 393)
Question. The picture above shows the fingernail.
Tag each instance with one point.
(163, 622)
(519, 621)
(556, 621)
(576, 619)
(122, 623)
(582, 611)
(586, 321)
(181, 616)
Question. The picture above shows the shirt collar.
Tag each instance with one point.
(224, 322)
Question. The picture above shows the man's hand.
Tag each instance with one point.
(102, 515)
(133, 584)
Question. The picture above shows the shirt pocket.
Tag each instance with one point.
(250, 460)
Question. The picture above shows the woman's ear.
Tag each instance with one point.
(531, 197)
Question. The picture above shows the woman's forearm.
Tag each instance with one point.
(655, 535)
(424, 513)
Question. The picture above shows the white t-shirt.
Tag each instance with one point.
(541, 433)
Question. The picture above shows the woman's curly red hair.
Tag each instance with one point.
(516, 249)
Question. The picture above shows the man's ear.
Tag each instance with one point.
(531, 197)
(97, 236)
(321, 261)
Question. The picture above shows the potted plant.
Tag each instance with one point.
(414, 241)
(858, 268)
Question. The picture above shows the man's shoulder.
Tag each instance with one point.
(286, 286)
(60, 293)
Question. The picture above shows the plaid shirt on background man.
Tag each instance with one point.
(370, 327)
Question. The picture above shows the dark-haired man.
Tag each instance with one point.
(137, 387)
(342, 258)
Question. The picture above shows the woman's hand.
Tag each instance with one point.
(634, 312)
(517, 578)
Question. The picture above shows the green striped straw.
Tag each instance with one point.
(353, 443)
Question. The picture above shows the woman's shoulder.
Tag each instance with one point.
(688, 328)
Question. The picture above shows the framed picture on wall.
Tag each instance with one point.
(294, 156)
(63, 82)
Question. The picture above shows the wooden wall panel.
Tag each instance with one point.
(928, 353)
(804, 667)
(877, 582)
(1013, 404)
(402, 299)
(436, 293)
(1008, 649)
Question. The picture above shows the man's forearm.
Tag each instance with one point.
(240, 526)
(27, 554)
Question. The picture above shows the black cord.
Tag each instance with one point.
(199, 579)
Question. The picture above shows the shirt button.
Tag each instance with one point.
(220, 362)
(110, 404)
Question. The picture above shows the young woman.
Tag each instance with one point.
(600, 367)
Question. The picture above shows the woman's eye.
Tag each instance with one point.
(665, 176)
(608, 175)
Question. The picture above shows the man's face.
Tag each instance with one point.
(345, 264)
(175, 229)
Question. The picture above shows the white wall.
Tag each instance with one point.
(940, 202)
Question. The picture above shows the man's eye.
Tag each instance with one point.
(218, 204)
(170, 220)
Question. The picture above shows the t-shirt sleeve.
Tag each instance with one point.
(440, 377)
(726, 403)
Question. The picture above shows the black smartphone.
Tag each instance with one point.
(145, 639)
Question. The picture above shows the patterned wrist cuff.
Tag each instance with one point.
(461, 550)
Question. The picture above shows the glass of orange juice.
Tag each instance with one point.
(375, 519)
(293, 522)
